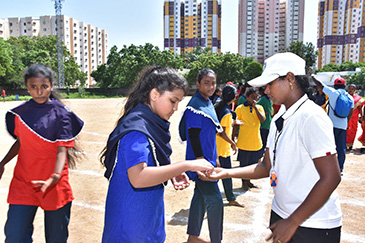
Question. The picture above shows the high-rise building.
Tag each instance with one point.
(341, 31)
(192, 23)
(87, 44)
(267, 27)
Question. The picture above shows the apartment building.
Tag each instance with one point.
(88, 44)
(267, 27)
(192, 23)
(341, 31)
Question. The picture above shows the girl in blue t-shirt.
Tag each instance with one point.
(199, 126)
(137, 159)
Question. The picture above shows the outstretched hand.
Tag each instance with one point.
(217, 173)
(43, 185)
(180, 182)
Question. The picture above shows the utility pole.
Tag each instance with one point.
(59, 30)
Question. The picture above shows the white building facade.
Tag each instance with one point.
(87, 44)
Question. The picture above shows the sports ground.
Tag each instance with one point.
(247, 224)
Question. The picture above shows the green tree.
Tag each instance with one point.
(347, 66)
(123, 66)
(24, 51)
(357, 78)
(253, 70)
(330, 67)
(306, 51)
(228, 67)
(11, 66)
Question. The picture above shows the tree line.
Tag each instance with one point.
(123, 65)
(18, 53)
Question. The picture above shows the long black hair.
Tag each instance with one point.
(151, 77)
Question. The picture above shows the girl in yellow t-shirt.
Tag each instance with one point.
(249, 141)
(226, 120)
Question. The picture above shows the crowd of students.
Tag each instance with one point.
(257, 119)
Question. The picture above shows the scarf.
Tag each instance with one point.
(201, 106)
(51, 121)
(140, 119)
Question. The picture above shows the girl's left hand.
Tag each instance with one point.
(180, 182)
(234, 148)
(47, 183)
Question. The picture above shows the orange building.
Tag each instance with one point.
(192, 23)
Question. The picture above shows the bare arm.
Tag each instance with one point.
(330, 177)
(350, 115)
(261, 117)
(142, 175)
(255, 171)
(228, 140)
(13, 151)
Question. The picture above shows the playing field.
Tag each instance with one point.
(247, 224)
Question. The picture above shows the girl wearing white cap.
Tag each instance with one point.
(300, 158)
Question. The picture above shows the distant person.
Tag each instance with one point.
(216, 97)
(3, 94)
(321, 98)
(362, 120)
(353, 123)
(340, 124)
(226, 120)
(137, 159)
(266, 103)
(300, 160)
(44, 130)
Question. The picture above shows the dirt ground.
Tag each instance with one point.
(247, 224)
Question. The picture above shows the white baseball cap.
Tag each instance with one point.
(279, 65)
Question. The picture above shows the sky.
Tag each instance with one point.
(140, 21)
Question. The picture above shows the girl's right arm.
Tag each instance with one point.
(142, 175)
(13, 151)
(256, 171)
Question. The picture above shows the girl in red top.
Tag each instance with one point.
(44, 129)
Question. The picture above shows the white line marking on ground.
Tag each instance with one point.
(4, 190)
(84, 205)
(97, 134)
(352, 238)
(353, 202)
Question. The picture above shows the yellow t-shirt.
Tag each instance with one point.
(224, 147)
(249, 138)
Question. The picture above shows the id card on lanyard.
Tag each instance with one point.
(279, 123)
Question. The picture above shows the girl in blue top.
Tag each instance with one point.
(137, 160)
(199, 126)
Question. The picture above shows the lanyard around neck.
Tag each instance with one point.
(280, 127)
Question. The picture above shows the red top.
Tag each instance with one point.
(3, 92)
(36, 161)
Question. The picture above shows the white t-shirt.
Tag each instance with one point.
(307, 134)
